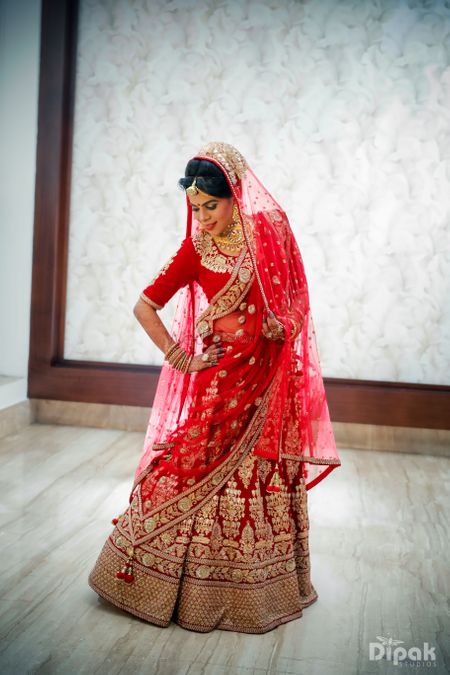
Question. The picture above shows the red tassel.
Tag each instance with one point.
(126, 573)
(115, 521)
(275, 483)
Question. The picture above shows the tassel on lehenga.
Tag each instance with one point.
(126, 573)
(275, 481)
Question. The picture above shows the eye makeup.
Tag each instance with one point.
(210, 208)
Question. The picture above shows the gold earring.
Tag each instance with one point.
(236, 218)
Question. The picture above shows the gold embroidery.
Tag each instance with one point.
(202, 327)
(256, 508)
(167, 508)
(290, 565)
(149, 301)
(149, 524)
(245, 471)
(210, 256)
(278, 509)
(203, 572)
(205, 517)
(292, 469)
(185, 504)
(232, 507)
(230, 296)
(163, 269)
(228, 156)
(244, 274)
(247, 543)
(162, 446)
(312, 460)
(148, 559)
(264, 468)
(259, 574)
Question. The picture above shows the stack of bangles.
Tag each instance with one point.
(295, 327)
(178, 357)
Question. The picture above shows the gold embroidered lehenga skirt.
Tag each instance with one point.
(240, 562)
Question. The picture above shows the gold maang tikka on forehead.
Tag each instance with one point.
(193, 190)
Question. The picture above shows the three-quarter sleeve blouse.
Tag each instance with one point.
(178, 271)
(198, 259)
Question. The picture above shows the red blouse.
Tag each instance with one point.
(199, 259)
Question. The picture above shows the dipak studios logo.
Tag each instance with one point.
(388, 649)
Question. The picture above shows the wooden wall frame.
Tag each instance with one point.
(51, 376)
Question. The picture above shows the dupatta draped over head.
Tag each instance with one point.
(270, 394)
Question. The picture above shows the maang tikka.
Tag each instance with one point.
(193, 190)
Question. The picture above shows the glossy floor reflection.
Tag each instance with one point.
(379, 564)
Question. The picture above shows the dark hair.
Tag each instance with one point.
(210, 178)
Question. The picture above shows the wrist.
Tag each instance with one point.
(170, 342)
(178, 357)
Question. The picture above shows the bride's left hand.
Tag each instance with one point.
(272, 328)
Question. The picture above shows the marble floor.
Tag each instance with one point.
(379, 554)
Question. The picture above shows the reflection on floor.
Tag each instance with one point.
(379, 554)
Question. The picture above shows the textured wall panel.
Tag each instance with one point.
(343, 111)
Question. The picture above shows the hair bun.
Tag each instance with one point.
(211, 177)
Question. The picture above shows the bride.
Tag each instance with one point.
(215, 534)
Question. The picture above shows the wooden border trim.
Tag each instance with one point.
(53, 377)
(53, 164)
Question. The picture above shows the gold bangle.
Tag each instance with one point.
(188, 363)
(178, 358)
(180, 363)
(175, 353)
(171, 349)
(174, 357)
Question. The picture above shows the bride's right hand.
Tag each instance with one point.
(215, 351)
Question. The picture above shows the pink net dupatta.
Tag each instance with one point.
(200, 431)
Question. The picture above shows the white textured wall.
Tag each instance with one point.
(19, 70)
(343, 111)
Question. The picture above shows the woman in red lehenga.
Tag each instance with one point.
(216, 531)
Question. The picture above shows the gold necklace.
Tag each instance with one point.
(231, 238)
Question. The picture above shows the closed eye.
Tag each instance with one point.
(210, 208)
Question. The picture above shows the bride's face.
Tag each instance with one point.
(213, 213)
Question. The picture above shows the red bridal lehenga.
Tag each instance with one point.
(216, 531)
